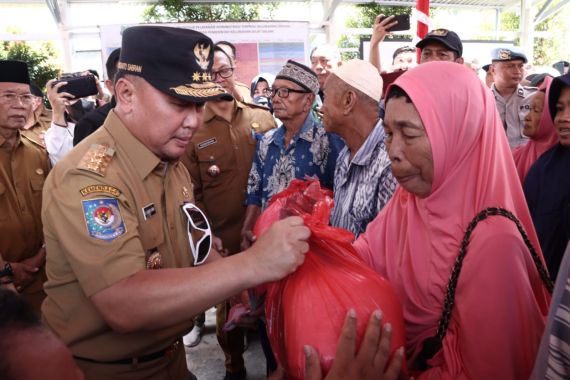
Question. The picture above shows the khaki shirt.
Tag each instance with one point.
(37, 131)
(23, 171)
(229, 147)
(108, 204)
(513, 110)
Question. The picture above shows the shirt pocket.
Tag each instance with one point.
(216, 163)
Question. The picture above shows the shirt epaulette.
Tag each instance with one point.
(97, 159)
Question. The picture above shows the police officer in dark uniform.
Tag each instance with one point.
(124, 238)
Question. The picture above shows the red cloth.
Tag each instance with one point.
(501, 303)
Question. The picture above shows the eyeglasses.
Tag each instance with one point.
(223, 73)
(199, 233)
(283, 92)
(25, 99)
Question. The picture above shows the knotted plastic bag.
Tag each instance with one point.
(308, 307)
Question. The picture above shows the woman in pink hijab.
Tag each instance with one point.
(451, 158)
(539, 128)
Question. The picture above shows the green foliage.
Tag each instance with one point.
(349, 42)
(179, 11)
(39, 59)
(510, 21)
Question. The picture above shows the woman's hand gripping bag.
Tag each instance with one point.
(308, 307)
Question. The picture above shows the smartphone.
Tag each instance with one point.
(403, 23)
(79, 87)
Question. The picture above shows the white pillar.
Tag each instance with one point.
(527, 29)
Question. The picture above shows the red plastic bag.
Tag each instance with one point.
(309, 306)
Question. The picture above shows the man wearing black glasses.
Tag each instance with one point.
(121, 228)
(218, 158)
(299, 147)
(24, 165)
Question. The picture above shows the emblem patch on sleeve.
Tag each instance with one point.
(103, 218)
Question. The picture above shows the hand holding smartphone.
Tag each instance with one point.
(79, 86)
(402, 23)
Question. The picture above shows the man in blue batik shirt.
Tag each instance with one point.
(299, 147)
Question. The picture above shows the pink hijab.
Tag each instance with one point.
(544, 139)
(414, 242)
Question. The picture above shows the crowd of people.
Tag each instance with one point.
(130, 213)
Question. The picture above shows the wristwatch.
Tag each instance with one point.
(7, 271)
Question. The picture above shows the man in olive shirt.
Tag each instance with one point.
(24, 165)
(120, 225)
(219, 158)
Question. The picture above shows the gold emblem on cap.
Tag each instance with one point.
(39, 171)
(439, 32)
(202, 52)
(154, 261)
(504, 54)
(196, 76)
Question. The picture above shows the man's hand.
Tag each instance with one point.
(25, 270)
(368, 363)
(247, 239)
(280, 249)
(58, 101)
(380, 28)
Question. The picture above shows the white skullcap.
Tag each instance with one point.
(361, 75)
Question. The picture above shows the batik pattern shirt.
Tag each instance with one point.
(363, 186)
(312, 152)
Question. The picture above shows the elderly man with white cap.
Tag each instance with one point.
(363, 181)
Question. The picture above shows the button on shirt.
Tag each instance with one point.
(513, 110)
(312, 151)
(363, 186)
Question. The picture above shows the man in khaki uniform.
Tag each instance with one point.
(219, 158)
(24, 166)
(121, 288)
(40, 118)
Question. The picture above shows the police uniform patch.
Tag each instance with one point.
(106, 189)
(103, 218)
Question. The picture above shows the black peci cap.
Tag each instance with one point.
(14, 72)
(176, 61)
(556, 87)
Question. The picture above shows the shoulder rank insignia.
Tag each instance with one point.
(103, 218)
(97, 159)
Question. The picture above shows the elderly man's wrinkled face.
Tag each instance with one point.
(323, 63)
(408, 146)
(16, 104)
(294, 105)
(331, 110)
(562, 118)
(532, 118)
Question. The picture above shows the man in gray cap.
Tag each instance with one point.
(124, 237)
(299, 147)
(513, 100)
(24, 166)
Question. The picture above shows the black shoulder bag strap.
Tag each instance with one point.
(432, 345)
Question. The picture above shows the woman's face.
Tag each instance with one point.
(562, 118)
(532, 118)
(260, 88)
(408, 147)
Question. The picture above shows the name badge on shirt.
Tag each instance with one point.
(148, 211)
(207, 143)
